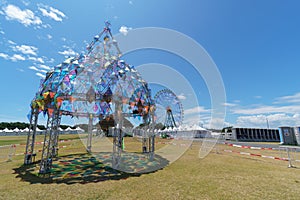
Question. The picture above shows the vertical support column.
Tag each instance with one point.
(272, 135)
(289, 157)
(251, 134)
(55, 133)
(248, 134)
(50, 149)
(90, 134)
(117, 147)
(267, 135)
(262, 138)
(151, 145)
(117, 136)
(29, 151)
(254, 134)
(144, 141)
(277, 135)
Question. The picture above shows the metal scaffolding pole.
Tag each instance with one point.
(144, 141)
(117, 146)
(148, 143)
(117, 134)
(90, 134)
(29, 151)
(50, 149)
(151, 146)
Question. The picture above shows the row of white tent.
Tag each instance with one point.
(16, 130)
(184, 128)
(79, 130)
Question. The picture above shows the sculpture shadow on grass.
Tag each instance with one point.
(87, 168)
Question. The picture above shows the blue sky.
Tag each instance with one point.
(255, 45)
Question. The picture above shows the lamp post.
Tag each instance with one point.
(267, 122)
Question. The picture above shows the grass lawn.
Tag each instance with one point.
(220, 175)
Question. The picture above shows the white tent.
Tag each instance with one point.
(26, 130)
(16, 130)
(79, 130)
(6, 130)
(197, 128)
(69, 129)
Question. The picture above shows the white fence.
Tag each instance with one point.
(292, 153)
(7, 152)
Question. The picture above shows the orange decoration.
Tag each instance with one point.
(50, 111)
(52, 94)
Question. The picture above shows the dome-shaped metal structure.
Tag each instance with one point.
(96, 85)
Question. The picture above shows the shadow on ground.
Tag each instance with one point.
(87, 168)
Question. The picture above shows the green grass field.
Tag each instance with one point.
(220, 175)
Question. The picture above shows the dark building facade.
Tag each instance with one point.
(289, 135)
(255, 135)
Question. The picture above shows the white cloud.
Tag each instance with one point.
(283, 111)
(206, 121)
(288, 99)
(229, 104)
(40, 60)
(68, 52)
(37, 69)
(257, 97)
(2, 32)
(130, 2)
(11, 42)
(52, 13)
(34, 68)
(124, 30)
(26, 3)
(20, 70)
(25, 49)
(25, 17)
(181, 97)
(17, 57)
(273, 120)
(45, 67)
(195, 115)
(196, 110)
(49, 36)
(51, 60)
(217, 123)
(5, 56)
(43, 71)
(46, 26)
(57, 12)
(265, 109)
(40, 75)
(286, 104)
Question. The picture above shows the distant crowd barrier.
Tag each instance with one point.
(290, 154)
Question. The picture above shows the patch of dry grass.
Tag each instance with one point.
(217, 176)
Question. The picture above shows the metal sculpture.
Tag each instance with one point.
(98, 85)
